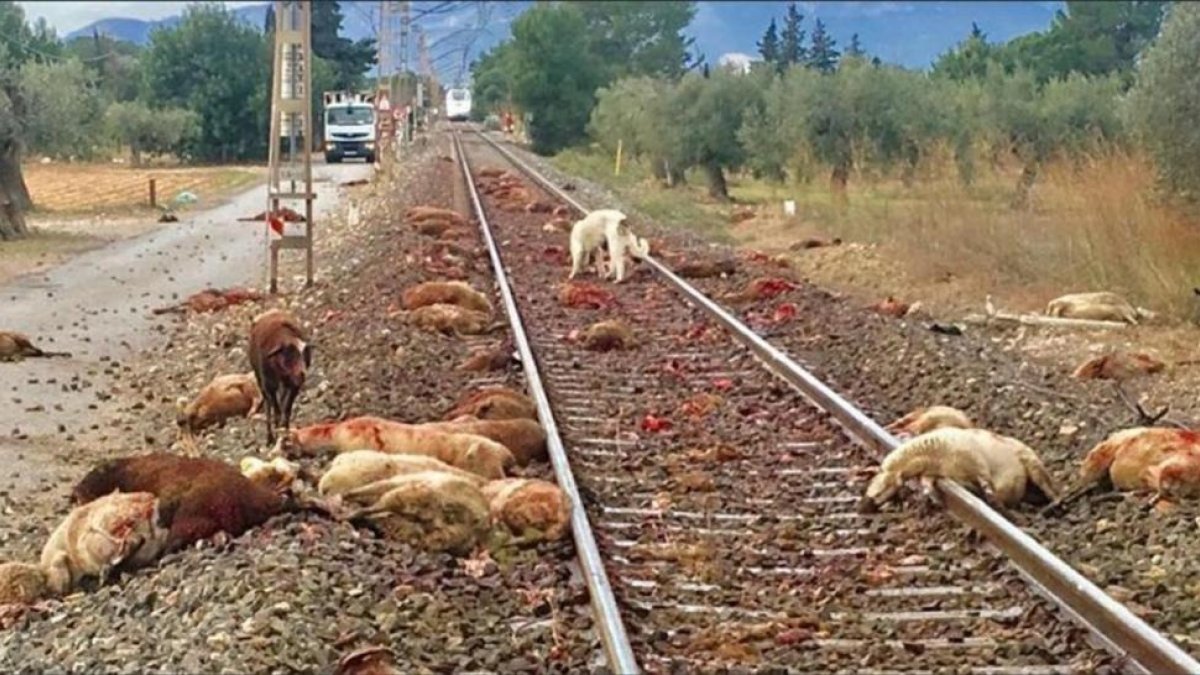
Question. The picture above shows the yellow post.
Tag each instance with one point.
(617, 168)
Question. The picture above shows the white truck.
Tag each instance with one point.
(349, 126)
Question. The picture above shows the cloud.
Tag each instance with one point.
(737, 61)
(68, 16)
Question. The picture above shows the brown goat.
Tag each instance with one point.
(445, 292)
(280, 356)
(226, 396)
(493, 403)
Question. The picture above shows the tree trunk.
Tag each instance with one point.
(717, 189)
(135, 155)
(1025, 184)
(14, 195)
(838, 178)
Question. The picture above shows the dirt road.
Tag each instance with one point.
(97, 306)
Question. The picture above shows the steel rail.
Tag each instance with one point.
(1122, 632)
(612, 629)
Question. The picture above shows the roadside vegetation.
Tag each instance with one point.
(1061, 160)
(194, 95)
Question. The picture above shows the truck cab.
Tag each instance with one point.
(349, 126)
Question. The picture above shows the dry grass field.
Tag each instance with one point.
(1095, 225)
(78, 207)
(91, 189)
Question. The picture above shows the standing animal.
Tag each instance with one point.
(116, 528)
(18, 346)
(923, 420)
(198, 497)
(1099, 306)
(998, 466)
(280, 356)
(224, 397)
(604, 226)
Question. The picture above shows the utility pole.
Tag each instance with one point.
(290, 174)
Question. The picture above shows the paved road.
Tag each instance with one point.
(96, 306)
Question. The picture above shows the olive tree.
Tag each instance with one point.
(635, 113)
(707, 113)
(1165, 102)
(64, 109)
(144, 129)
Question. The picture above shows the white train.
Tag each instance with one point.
(458, 105)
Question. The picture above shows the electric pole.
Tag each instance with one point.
(290, 173)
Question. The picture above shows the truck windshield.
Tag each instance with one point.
(359, 114)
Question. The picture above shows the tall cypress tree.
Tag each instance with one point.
(768, 46)
(822, 55)
(791, 48)
(855, 47)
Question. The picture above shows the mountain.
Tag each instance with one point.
(911, 34)
(138, 31)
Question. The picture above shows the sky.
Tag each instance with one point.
(68, 16)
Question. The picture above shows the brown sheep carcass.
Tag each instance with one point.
(198, 497)
(452, 319)
(445, 292)
(1118, 365)
(18, 346)
(493, 403)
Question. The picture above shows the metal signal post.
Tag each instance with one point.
(290, 173)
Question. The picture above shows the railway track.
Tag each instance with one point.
(715, 483)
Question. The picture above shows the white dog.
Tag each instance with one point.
(605, 226)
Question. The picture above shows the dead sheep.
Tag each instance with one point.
(224, 397)
(530, 509)
(607, 336)
(890, 306)
(924, 420)
(763, 288)
(372, 660)
(433, 510)
(199, 498)
(15, 346)
(1118, 365)
(115, 529)
(705, 269)
(277, 474)
(493, 403)
(1099, 306)
(212, 300)
(1165, 461)
(485, 359)
(476, 454)
(583, 295)
(524, 437)
(452, 319)
(349, 473)
(998, 466)
(426, 214)
(22, 583)
(446, 292)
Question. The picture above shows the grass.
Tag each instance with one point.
(78, 189)
(1096, 225)
(684, 208)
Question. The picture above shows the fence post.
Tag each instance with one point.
(617, 168)
(153, 194)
